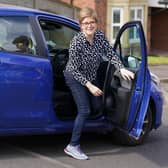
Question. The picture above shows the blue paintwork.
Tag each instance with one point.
(26, 81)
(26, 84)
(141, 93)
(137, 128)
(142, 87)
(156, 95)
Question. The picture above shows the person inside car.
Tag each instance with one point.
(23, 44)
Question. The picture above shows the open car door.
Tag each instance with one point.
(126, 102)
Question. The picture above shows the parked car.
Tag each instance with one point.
(34, 98)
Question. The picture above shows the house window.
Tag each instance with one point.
(117, 21)
(136, 13)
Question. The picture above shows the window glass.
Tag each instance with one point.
(139, 14)
(57, 36)
(16, 35)
(136, 13)
(117, 22)
(132, 14)
(115, 31)
(116, 17)
(129, 51)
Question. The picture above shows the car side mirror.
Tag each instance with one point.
(133, 62)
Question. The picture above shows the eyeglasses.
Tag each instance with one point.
(88, 23)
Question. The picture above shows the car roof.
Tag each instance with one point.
(11, 9)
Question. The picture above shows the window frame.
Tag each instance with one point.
(114, 9)
(54, 20)
(135, 9)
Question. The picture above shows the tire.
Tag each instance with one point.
(123, 138)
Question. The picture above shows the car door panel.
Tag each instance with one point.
(138, 124)
(124, 103)
(118, 92)
(26, 90)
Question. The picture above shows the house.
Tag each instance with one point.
(114, 13)
(157, 27)
(152, 13)
(54, 6)
(99, 5)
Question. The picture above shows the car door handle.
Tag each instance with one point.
(138, 89)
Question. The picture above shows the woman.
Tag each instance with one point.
(85, 56)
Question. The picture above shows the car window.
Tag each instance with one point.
(16, 35)
(129, 48)
(57, 38)
(57, 35)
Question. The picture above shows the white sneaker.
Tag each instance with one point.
(75, 152)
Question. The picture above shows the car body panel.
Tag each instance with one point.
(26, 88)
(141, 89)
(138, 124)
(26, 91)
(156, 94)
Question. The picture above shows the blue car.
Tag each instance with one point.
(34, 98)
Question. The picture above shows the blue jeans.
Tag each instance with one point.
(85, 101)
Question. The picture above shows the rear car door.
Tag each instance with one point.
(126, 102)
(25, 75)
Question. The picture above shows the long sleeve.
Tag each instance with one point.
(85, 58)
(111, 54)
(76, 61)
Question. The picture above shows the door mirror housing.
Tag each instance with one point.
(133, 62)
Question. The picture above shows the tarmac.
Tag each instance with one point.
(161, 71)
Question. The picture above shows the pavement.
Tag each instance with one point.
(161, 71)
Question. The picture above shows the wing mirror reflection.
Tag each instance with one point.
(133, 62)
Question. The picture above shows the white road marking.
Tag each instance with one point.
(48, 159)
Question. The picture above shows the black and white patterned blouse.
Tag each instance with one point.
(85, 58)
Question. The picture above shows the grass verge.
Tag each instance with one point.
(157, 60)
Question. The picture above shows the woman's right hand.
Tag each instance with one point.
(94, 89)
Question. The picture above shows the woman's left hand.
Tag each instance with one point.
(126, 74)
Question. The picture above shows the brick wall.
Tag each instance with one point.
(25, 3)
(54, 6)
(101, 8)
(80, 3)
(83, 3)
(66, 1)
(99, 5)
(64, 7)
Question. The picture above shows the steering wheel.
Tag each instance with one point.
(59, 61)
